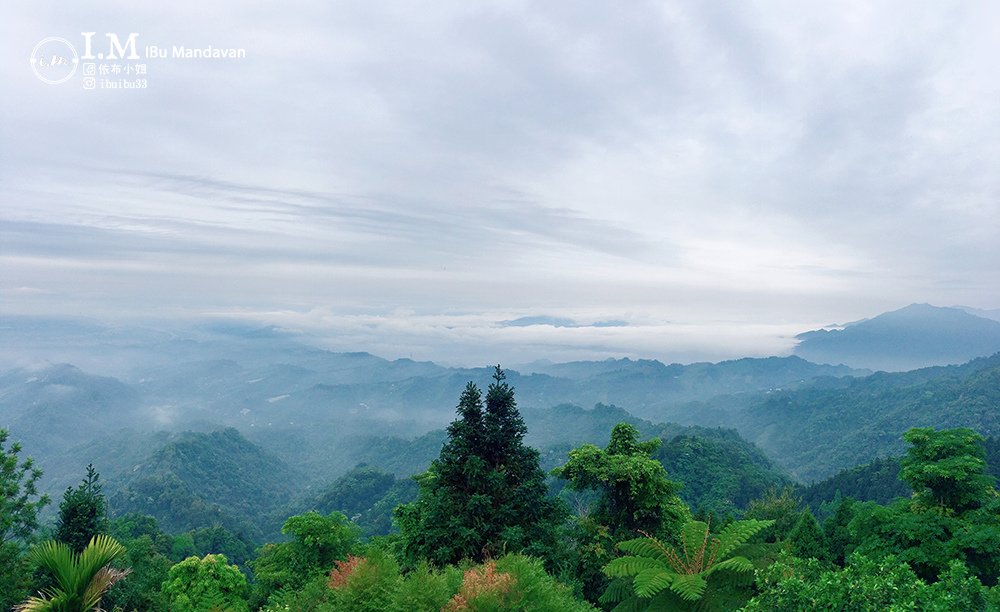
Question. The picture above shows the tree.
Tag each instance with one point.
(82, 513)
(782, 509)
(202, 585)
(81, 579)
(635, 493)
(19, 506)
(695, 573)
(806, 540)
(954, 513)
(317, 543)
(837, 533)
(946, 469)
(485, 493)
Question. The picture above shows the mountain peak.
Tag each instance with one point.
(919, 335)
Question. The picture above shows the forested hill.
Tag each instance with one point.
(199, 479)
(817, 431)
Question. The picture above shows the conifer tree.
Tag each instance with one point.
(19, 508)
(806, 540)
(485, 494)
(82, 513)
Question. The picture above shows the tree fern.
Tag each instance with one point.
(664, 578)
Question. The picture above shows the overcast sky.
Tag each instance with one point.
(703, 180)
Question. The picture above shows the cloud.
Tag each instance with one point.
(722, 166)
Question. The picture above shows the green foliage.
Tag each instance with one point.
(142, 590)
(665, 577)
(720, 475)
(19, 507)
(80, 579)
(836, 531)
(369, 585)
(427, 589)
(367, 495)
(877, 481)
(794, 585)
(635, 493)
(355, 491)
(929, 541)
(317, 543)
(806, 539)
(485, 493)
(782, 510)
(816, 432)
(587, 547)
(135, 526)
(945, 469)
(532, 588)
(373, 583)
(203, 585)
(954, 513)
(82, 513)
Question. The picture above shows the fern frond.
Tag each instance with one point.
(651, 581)
(739, 532)
(689, 586)
(668, 601)
(618, 590)
(736, 564)
(646, 547)
(630, 566)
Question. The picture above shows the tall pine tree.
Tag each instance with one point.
(82, 513)
(485, 494)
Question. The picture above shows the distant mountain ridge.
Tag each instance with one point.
(917, 336)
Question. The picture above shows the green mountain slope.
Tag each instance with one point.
(198, 479)
(817, 431)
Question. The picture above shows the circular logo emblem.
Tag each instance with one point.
(54, 60)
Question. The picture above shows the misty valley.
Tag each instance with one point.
(227, 466)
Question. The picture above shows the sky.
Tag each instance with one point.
(504, 181)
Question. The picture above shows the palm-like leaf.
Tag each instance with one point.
(105, 578)
(57, 558)
(80, 580)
